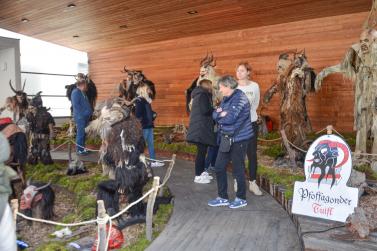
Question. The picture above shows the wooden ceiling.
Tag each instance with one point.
(99, 23)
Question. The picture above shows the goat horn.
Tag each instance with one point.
(23, 87)
(44, 186)
(10, 84)
(204, 60)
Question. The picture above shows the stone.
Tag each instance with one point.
(358, 180)
(358, 223)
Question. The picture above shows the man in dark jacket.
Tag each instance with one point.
(82, 111)
(201, 127)
(233, 118)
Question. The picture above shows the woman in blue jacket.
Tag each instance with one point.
(144, 112)
(233, 118)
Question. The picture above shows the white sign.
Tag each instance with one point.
(324, 194)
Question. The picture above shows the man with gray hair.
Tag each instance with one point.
(235, 128)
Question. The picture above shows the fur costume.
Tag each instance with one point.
(122, 151)
(135, 78)
(38, 200)
(295, 80)
(41, 127)
(91, 91)
(18, 145)
(207, 71)
(360, 65)
(108, 192)
(8, 230)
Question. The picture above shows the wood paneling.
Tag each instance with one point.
(173, 64)
(98, 22)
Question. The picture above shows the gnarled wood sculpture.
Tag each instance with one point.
(295, 80)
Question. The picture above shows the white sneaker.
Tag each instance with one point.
(157, 164)
(201, 180)
(253, 187)
(235, 185)
(206, 174)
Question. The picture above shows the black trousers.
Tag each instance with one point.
(252, 153)
(200, 160)
(237, 155)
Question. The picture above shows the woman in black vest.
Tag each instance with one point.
(201, 127)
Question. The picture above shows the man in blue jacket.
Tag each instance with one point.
(82, 111)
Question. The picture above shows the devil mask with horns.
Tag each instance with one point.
(20, 95)
(38, 197)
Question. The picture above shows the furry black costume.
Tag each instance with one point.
(41, 127)
(18, 146)
(122, 151)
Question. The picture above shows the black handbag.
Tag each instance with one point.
(227, 140)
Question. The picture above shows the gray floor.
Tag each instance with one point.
(262, 225)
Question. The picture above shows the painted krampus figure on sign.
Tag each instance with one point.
(295, 80)
(38, 200)
(134, 79)
(42, 130)
(91, 91)
(360, 65)
(122, 150)
(207, 71)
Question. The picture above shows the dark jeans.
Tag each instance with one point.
(237, 155)
(200, 158)
(81, 123)
(252, 153)
(211, 156)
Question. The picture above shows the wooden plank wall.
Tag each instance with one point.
(173, 64)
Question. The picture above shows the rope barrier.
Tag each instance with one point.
(161, 161)
(56, 223)
(269, 140)
(107, 218)
(298, 148)
(56, 148)
(88, 149)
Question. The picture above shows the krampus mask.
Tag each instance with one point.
(38, 200)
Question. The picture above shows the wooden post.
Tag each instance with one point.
(167, 175)
(291, 153)
(150, 205)
(329, 129)
(14, 206)
(101, 241)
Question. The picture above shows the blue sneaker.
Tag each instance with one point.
(218, 202)
(84, 152)
(237, 203)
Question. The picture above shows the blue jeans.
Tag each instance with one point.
(148, 136)
(81, 123)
